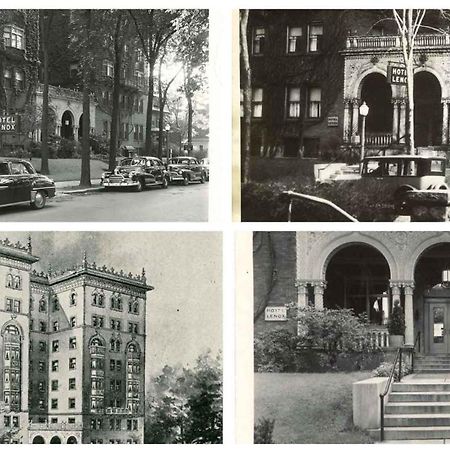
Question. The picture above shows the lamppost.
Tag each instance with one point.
(167, 129)
(363, 111)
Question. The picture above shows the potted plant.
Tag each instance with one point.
(396, 326)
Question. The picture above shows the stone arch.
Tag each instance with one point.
(72, 440)
(55, 440)
(419, 250)
(438, 76)
(322, 259)
(359, 81)
(14, 323)
(133, 347)
(38, 440)
(97, 338)
(67, 124)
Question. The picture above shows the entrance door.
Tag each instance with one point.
(439, 328)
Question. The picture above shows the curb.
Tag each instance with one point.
(80, 191)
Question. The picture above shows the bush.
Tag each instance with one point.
(396, 324)
(263, 431)
(67, 148)
(385, 369)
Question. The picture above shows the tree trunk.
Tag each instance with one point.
(189, 122)
(161, 112)
(44, 118)
(247, 93)
(148, 124)
(410, 82)
(115, 115)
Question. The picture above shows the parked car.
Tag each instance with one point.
(138, 173)
(186, 169)
(205, 164)
(406, 173)
(21, 184)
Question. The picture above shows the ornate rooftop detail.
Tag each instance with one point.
(18, 246)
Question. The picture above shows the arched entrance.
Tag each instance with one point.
(80, 128)
(427, 110)
(376, 92)
(432, 298)
(67, 125)
(55, 440)
(72, 440)
(358, 278)
(38, 440)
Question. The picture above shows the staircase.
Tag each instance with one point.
(419, 406)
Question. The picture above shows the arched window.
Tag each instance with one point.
(9, 280)
(12, 366)
(17, 282)
(42, 304)
(73, 298)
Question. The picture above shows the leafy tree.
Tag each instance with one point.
(185, 405)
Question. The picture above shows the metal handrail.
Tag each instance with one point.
(292, 195)
(398, 358)
(416, 343)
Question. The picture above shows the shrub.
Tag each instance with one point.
(263, 431)
(67, 148)
(385, 369)
(396, 324)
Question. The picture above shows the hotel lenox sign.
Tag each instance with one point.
(396, 74)
(275, 314)
(8, 124)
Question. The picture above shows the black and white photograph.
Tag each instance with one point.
(103, 338)
(351, 341)
(344, 115)
(102, 107)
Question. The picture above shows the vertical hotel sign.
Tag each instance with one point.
(9, 124)
(397, 74)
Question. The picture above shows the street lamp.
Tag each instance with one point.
(363, 111)
(167, 129)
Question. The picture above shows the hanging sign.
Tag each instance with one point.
(8, 124)
(397, 75)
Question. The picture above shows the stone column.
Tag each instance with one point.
(75, 133)
(395, 289)
(302, 293)
(347, 119)
(445, 102)
(319, 287)
(409, 312)
(395, 113)
(402, 121)
(355, 116)
(58, 129)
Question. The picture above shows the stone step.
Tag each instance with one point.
(432, 366)
(443, 371)
(410, 433)
(420, 387)
(437, 396)
(417, 408)
(417, 420)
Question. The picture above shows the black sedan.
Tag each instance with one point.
(21, 184)
(186, 169)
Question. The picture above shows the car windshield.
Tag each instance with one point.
(4, 168)
(180, 161)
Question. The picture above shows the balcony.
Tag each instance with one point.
(33, 426)
(393, 42)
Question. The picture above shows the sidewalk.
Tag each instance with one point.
(73, 187)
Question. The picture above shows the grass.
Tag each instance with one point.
(70, 169)
(309, 408)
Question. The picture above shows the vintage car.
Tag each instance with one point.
(138, 173)
(21, 184)
(205, 164)
(405, 173)
(186, 169)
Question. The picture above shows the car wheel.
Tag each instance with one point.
(202, 178)
(186, 180)
(165, 183)
(39, 200)
(140, 186)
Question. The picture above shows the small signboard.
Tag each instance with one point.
(276, 314)
(9, 124)
(397, 75)
(333, 121)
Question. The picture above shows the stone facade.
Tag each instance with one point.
(83, 380)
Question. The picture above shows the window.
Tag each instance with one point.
(98, 321)
(133, 328)
(15, 421)
(42, 346)
(118, 365)
(41, 386)
(293, 102)
(9, 281)
(20, 80)
(105, 127)
(55, 346)
(16, 306)
(97, 424)
(54, 420)
(116, 299)
(71, 420)
(54, 403)
(55, 325)
(314, 102)
(112, 364)
(294, 39)
(41, 404)
(72, 363)
(13, 37)
(98, 298)
(55, 304)
(8, 304)
(42, 305)
(315, 38)
(259, 35)
(141, 132)
(257, 99)
(115, 345)
(7, 421)
(73, 299)
(71, 403)
(114, 424)
(72, 343)
(133, 306)
(54, 385)
(141, 106)
(73, 322)
(42, 326)
(72, 383)
(41, 366)
(136, 133)
(108, 69)
(116, 324)
(55, 365)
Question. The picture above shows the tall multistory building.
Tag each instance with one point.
(73, 352)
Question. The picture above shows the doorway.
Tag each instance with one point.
(438, 329)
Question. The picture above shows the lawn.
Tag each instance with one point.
(309, 408)
(70, 169)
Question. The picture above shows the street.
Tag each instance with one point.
(175, 204)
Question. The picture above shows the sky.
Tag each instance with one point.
(184, 311)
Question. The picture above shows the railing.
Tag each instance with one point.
(422, 40)
(378, 338)
(33, 426)
(378, 139)
(416, 344)
(296, 195)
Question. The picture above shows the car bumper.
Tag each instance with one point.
(176, 177)
(50, 190)
(119, 183)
